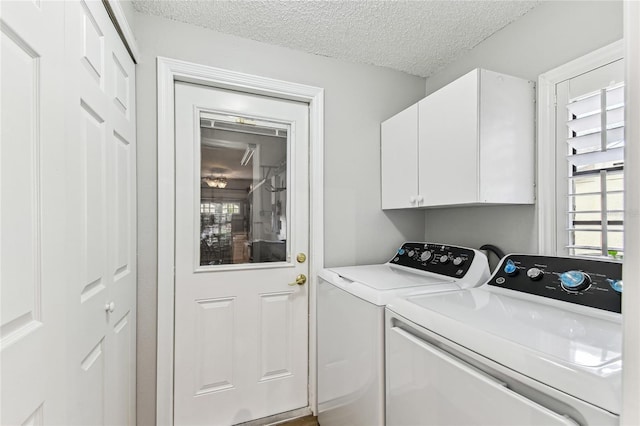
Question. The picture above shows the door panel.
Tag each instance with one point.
(101, 164)
(237, 320)
(67, 214)
(32, 317)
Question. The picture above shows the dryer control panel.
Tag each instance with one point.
(593, 283)
(440, 259)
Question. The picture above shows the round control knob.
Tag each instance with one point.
(510, 268)
(426, 255)
(575, 280)
(616, 285)
(401, 251)
(444, 259)
(411, 253)
(535, 274)
(458, 261)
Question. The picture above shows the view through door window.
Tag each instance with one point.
(243, 191)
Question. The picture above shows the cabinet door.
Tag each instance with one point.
(448, 143)
(507, 120)
(399, 140)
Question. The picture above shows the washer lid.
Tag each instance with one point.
(578, 352)
(378, 284)
(387, 277)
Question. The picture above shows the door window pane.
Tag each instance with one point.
(243, 191)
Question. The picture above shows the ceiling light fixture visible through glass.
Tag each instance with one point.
(219, 182)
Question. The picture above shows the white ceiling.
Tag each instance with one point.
(417, 37)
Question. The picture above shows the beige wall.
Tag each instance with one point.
(357, 99)
(552, 34)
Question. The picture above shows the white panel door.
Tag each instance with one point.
(241, 331)
(32, 345)
(448, 143)
(100, 133)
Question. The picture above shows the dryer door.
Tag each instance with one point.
(427, 386)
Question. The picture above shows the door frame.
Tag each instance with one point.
(168, 72)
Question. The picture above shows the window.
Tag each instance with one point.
(595, 171)
(581, 156)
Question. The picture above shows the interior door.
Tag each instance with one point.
(242, 230)
(100, 135)
(31, 215)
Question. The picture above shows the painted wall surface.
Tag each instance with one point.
(550, 35)
(357, 99)
(129, 13)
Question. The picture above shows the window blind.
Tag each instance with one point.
(595, 155)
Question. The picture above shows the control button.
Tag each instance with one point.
(500, 280)
(426, 255)
(444, 259)
(401, 251)
(458, 261)
(510, 268)
(411, 253)
(575, 280)
(396, 259)
(535, 274)
(616, 285)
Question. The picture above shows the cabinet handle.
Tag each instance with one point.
(420, 199)
(412, 200)
(110, 307)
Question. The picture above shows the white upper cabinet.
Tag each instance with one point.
(474, 145)
(400, 160)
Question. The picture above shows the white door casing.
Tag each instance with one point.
(240, 331)
(169, 71)
(32, 343)
(101, 203)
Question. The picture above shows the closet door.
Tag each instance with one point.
(32, 214)
(100, 126)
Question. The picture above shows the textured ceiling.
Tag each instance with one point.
(417, 37)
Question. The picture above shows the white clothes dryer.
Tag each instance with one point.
(539, 343)
(351, 304)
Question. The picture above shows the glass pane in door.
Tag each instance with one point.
(243, 191)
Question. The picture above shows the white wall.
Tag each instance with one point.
(553, 33)
(357, 99)
(129, 13)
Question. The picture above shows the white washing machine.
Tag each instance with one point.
(539, 344)
(351, 304)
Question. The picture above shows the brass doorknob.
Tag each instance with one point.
(300, 280)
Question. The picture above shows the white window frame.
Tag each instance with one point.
(546, 157)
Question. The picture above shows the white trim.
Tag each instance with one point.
(169, 71)
(546, 157)
(631, 268)
(124, 29)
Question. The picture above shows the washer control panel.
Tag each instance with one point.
(440, 259)
(594, 283)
